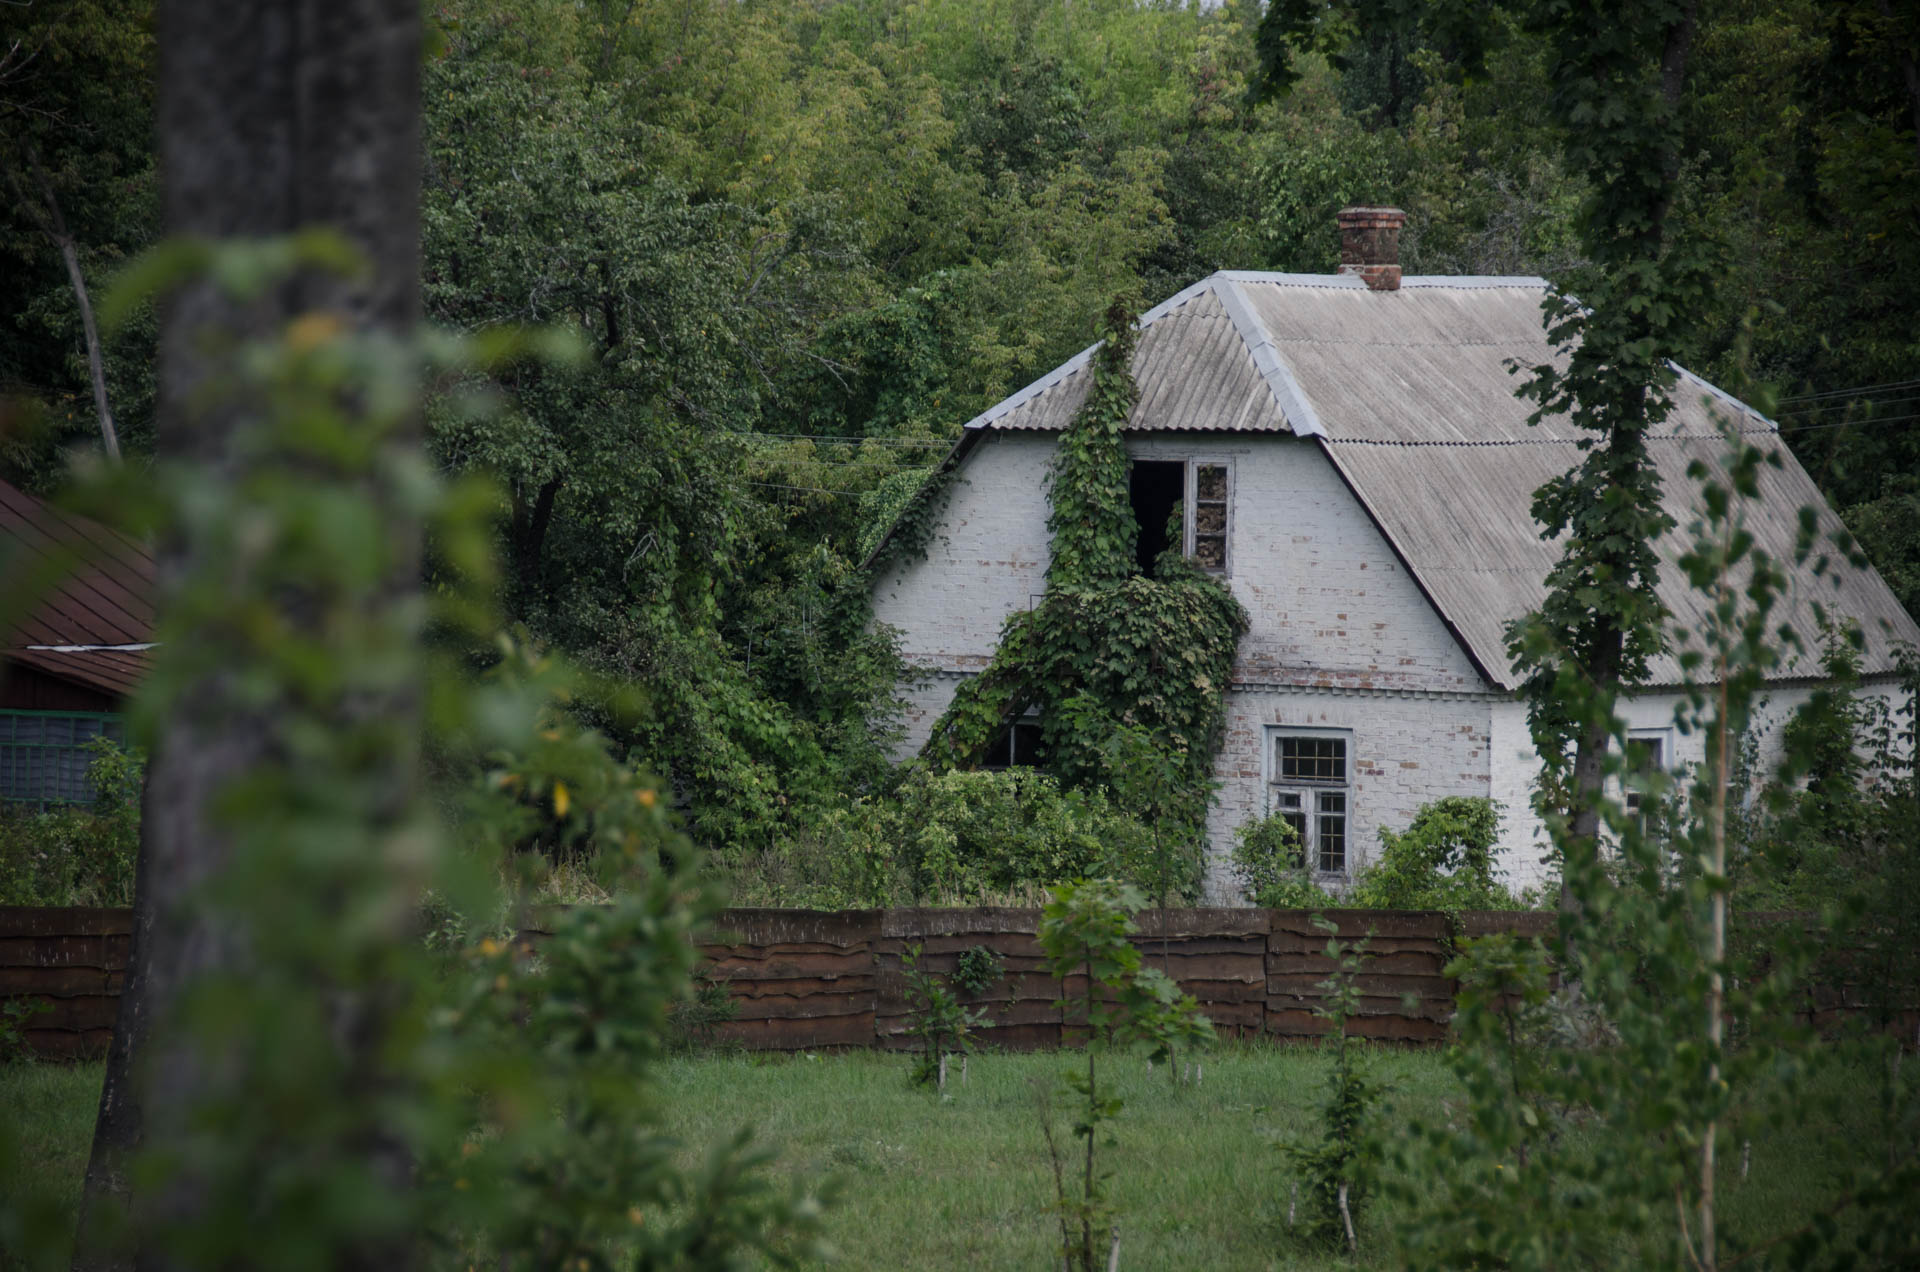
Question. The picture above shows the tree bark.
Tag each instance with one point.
(273, 118)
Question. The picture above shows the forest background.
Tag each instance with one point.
(805, 241)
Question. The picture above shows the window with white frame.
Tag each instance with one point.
(1310, 784)
(1202, 490)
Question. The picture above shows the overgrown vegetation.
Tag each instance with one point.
(953, 838)
(804, 245)
(77, 854)
(1129, 672)
(1443, 860)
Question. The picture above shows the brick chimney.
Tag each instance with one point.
(1370, 245)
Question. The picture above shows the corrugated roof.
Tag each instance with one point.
(92, 625)
(1412, 395)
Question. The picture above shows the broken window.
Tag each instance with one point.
(1309, 785)
(1200, 490)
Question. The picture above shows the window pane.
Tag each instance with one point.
(1210, 481)
(1026, 745)
(1311, 759)
(1333, 832)
(1210, 551)
(1210, 519)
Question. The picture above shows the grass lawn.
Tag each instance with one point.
(963, 1182)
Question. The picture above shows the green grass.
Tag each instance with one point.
(964, 1182)
(936, 1183)
(46, 1121)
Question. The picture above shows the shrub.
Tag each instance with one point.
(1270, 867)
(952, 838)
(79, 854)
(1443, 860)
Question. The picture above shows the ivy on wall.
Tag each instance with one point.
(1129, 672)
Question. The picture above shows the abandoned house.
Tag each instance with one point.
(1351, 459)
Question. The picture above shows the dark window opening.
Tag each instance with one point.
(1017, 746)
(1155, 488)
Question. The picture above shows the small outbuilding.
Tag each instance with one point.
(1352, 462)
(72, 658)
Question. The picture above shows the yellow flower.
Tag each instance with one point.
(311, 330)
(646, 798)
(560, 799)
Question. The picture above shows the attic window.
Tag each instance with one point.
(1202, 489)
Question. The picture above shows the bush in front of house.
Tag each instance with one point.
(1270, 867)
(954, 838)
(1443, 860)
(77, 854)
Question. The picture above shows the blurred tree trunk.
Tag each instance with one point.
(272, 118)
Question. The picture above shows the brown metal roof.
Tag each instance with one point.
(1412, 395)
(94, 618)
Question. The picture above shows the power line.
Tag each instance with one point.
(819, 490)
(1856, 391)
(1829, 408)
(1860, 424)
(845, 438)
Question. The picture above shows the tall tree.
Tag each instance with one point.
(1618, 77)
(75, 128)
(273, 119)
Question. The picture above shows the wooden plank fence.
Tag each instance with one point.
(806, 979)
(71, 963)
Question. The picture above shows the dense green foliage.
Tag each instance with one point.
(803, 244)
(77, 854)
(954, 838)
(1270, 868)
(1128, 671)
(454, 1100)
(1443, 860)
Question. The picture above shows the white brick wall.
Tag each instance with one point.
(1524, 841)
(1406, 751)
(1340, 637)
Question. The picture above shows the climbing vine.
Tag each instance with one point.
(1129, 672)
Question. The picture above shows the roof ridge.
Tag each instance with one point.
(1295, 409)
(1020, 397)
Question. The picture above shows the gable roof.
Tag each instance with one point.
(1409, 393)
(94, 626)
